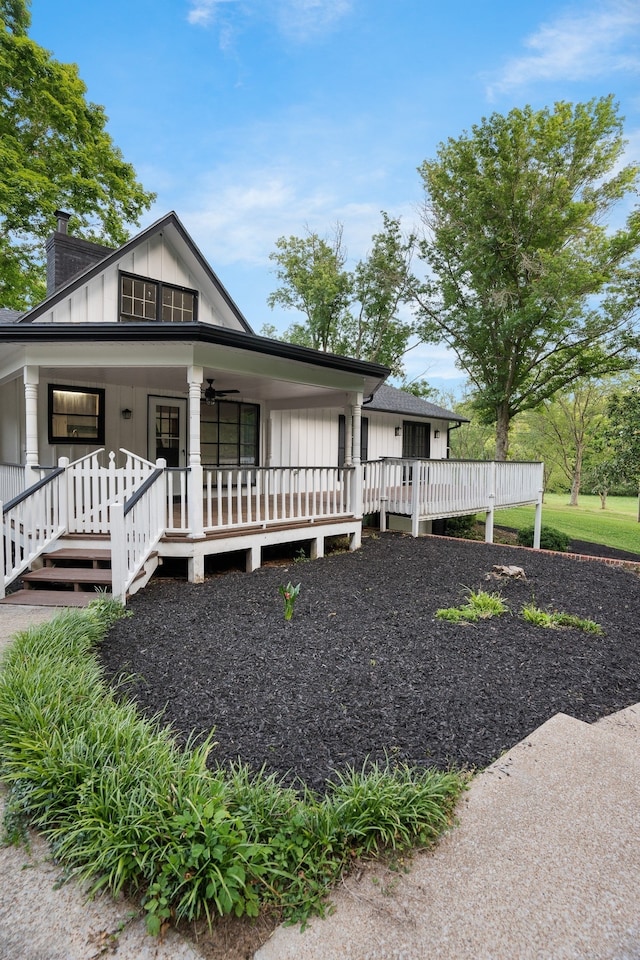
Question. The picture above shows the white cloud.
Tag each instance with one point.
(203, 12)
(298, 20)
(577, 46)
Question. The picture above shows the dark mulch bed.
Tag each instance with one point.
(364, 668)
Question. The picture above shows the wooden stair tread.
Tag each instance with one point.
(68, 575)
(50, 598)
(76, 553)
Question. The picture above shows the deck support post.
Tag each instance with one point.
(384, 497)
(2, 587)
(537, 524)
(488, 523)
(415, 497)
(253, 559)
(118, 553)
(317, 548)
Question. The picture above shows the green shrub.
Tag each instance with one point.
(550, 538)
(124, 807)
(460, 526)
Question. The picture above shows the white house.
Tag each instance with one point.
(137, 406)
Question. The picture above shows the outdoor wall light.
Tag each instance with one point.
(126, 414)
(398, 431)
(436, 434)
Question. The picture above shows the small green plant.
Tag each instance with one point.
(550, 538)
(300, 556)
(480, 606)
(460, 526)
(289, 594)
(556, 619)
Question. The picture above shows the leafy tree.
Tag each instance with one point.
(562, 430)
(355, 313)
(55, 153)
(520, 258)
(623, 436)
(314, 281)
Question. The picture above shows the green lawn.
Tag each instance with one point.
(617, 526)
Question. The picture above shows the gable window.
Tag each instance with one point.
(76, 415)
(151, 300)
(229, 434)
(364, 439)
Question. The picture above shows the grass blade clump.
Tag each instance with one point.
(395, 806)
(480, 606)
(556, 620)
(128, 809)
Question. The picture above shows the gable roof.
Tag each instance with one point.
(173, 227)
(389, 399)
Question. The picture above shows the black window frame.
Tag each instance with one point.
(409, 428)
(55, 438)
(160, 286)
(207, 445)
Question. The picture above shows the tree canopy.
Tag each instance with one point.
(55, 153)
(523, 269)
(355, 313)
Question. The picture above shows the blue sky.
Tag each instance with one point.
(254, 119)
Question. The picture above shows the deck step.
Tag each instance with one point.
(51, 598)
(77, 576)
(77, 555)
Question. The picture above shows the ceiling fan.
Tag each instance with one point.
(210, 395)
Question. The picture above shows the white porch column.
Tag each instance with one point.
(356, 418)
(32, 457)
(348, 438)
(194, 479)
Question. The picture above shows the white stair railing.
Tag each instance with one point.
(137, 525)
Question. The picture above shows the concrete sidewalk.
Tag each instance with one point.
(544, 865)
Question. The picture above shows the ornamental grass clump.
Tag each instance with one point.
(480, 606)
(556, 620)
(129, 810)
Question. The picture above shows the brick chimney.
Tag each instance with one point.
(68, 256)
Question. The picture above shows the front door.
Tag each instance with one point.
(167, 430)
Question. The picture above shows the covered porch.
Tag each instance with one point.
(143, 512)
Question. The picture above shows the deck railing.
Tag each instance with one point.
(236, 497)
(431, 489)
(94, 487)
(136, 528)
(30, 522)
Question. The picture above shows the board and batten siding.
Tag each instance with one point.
(96, 301)
(309, 438)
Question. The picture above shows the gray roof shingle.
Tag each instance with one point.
(9, 316)
(391, 400)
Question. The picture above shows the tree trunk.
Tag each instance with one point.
(576, 479)
(502, 431)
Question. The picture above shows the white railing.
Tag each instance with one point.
(177, 518)
(136, 528)
(264, 496)
(30, 522)
(11, 480)
(431, 489)
(93, 488)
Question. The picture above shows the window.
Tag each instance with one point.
(142, 299)
(364, 439)
(76, 415)
(229, 434)
(416, 440)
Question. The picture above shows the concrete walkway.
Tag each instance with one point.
(544, 865)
